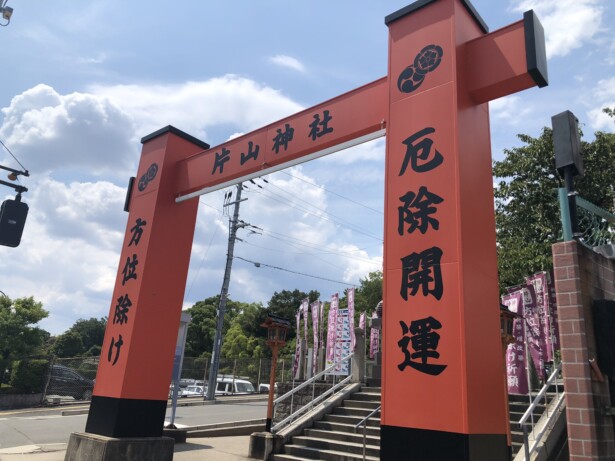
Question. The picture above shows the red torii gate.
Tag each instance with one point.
(443, 380)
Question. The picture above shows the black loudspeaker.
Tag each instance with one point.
(13, 215)
(567, 142)
(604, 326)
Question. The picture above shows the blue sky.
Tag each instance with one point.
(82, 82)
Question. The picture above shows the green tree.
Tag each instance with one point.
(285, 303)
(68, 344)
(91, 332)
(202, 327)
(527, 209)
(369, 293)
(238, 344)
(19, 335)
(250, 317)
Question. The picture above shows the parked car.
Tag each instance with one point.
(192, 391)
(230, 386)
(180, 391)
(65, 381)
(264, 388)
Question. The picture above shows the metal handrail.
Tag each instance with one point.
(597, 225)
(364, 422)
(314, 401)
(523, 422)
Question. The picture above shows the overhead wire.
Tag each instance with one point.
(12, 155)
(270, 183)
(333, 193)
(215, 232)
(259, 264)
(346, 254)
(299, 207)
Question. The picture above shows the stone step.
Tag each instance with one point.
(522, 406)
(349, 419)
(517, 437)
(347, 411)
(342, 427)
(335, 445)
(343, 436)
(366, 396)
(351, 403)
(301, 453)
(377, 389)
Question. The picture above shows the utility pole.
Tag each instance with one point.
(215, 357)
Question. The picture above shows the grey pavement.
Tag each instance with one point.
(207, 448)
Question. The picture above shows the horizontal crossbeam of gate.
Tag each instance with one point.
(345, 121)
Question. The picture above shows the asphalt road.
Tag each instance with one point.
(47, 425)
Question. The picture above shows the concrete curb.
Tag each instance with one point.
(194, 403)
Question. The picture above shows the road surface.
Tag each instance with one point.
(48, 426)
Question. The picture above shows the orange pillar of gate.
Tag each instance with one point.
(442, 393)
(132, 382)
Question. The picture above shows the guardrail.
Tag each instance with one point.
(315, 400)
(529, 414)
(364, 423)
(596, 226)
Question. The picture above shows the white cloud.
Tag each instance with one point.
(195, 106)
(604, 96)
(511, 110)
(367, 152)
(288, 61)
(98, 59)
(568, 24)
(69, 251)
(49, 131)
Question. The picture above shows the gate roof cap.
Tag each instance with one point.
(421, 3)
(176, 132)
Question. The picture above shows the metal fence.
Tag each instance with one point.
(596, 226)
(257, 371)
(71, 379)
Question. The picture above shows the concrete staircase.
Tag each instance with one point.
(517, 406)
(334, 439)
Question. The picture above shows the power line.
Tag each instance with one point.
(338, 220)
(291, 204)
(9, 151)
(257, 264)
(334, 193)
(345, 254)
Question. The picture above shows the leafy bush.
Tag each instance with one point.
(28, 376)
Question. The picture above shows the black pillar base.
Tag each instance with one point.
(397, 443)
(120, 418)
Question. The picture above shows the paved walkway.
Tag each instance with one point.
(202, 449)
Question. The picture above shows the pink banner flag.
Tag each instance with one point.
(321, 323)
(331, 325)
(315, 315)
(516, 363)
(305, 304)
(533, 331)
(297, 345)
(539, 282)
(374, 338)
(362, 321)
(350, 296)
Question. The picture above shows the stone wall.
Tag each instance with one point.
(301, 398)
(10, 401)
(582, 276)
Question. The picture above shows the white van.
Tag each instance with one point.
(230, 386)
